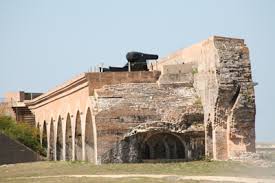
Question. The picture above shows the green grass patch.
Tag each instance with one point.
(22, 132)
(213, 168)
(103, 180)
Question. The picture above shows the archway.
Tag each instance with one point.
(163, 146)
(68, 138)
(59, 140)
(52, 151)
(38, 132)
(209, 139)
(44, 142)
(89, 137)
(78, 138)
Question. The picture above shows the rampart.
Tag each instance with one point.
(196, 102)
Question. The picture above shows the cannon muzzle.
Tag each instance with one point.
(140, 57)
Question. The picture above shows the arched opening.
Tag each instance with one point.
(44, 136)
(52, 152)
(59, 140)
(89, 138)
(163, 146)
(38, 132)
(78, 138)
(209, 140)
(68, 138)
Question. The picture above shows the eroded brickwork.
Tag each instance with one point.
(222, 78)
(130, 112)
(196, 102)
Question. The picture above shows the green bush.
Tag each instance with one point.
(22, 132)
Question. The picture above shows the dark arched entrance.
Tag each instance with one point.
(68, 138)
(78, 138)
(89, 137)
(52, 146)
(163, 146)
(59, 140)
(44, 141)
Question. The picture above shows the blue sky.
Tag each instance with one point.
(44, 43)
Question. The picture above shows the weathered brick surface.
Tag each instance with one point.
(100, 79)
(124, 107)
(201, 97)
(223, 81)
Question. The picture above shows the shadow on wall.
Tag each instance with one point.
(15, 152)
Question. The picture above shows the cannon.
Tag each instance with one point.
(140, 57)
(137, 61)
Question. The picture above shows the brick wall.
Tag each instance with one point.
(99, 79)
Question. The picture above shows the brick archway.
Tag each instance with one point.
(51, 142)
(43, 137)
(68, 138)
(89, 137)
(163, 146)
(78, 137)
(59, 140)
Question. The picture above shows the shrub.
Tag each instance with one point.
(194, 71)
(22, 132)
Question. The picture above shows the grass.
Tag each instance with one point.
(194, 71)
(213, 168)
(30, 137)
(22, 132)
(102, 180)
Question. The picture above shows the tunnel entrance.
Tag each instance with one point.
(163, 146)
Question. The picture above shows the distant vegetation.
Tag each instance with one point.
(22, 132)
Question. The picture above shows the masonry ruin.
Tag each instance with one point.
(197, 102)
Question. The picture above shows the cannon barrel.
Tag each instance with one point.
(136, 62)
(140, 57)
(150, 56)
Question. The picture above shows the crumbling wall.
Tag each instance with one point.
(222, 78)
(206, 89)
(134, 149)
(124, 107)
(224, 81)
(236, 95)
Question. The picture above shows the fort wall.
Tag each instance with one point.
(198, 97)
(99, 79)
(71, 104)
(222, 77)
